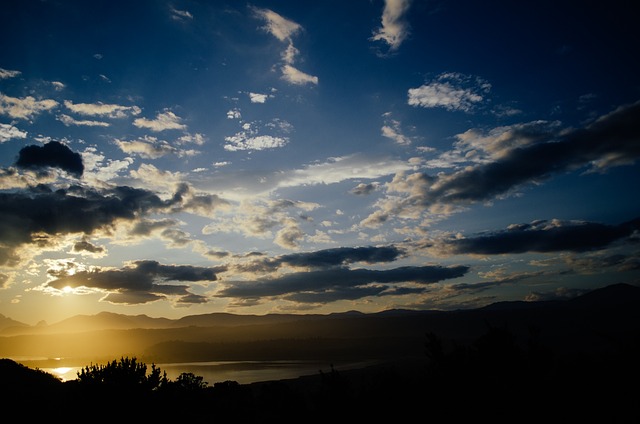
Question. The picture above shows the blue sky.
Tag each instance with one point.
(172, 158)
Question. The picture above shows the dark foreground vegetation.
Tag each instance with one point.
(496, 378)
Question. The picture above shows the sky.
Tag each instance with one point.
(183, 157)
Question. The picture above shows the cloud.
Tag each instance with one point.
(293, 286)
(52, 155)
(281, 28)
(7, 132)
(284, 29)
(394, 29)
(326, 258)
(234, 114)
(543, 236)
(68, 121)
(364, 189)
(297, 77)
(180, 15)
(241, 141)
(140, 282)
(103, 110)
(451, 91)
(24, 108)
(40, 215)
(147, 147)
(251, 139)
(57, 85)
(164, 121)
(85, 248)
(342, 168)
(6, 73)
(481, 147)
(391, 129)
(612, 140)
(258, 98)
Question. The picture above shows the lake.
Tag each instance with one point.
(243, 372)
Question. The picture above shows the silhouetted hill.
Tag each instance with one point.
(612, 296)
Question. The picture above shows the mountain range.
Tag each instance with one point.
(603, 319)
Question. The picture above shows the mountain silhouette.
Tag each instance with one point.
(598, 321)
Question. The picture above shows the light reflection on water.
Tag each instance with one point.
(243, 372)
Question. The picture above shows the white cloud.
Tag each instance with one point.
(101, 109)
(451, 91)
(394, 28)
(283, 29)
(342, 168)
(234, 114)
(257, 97)
(103, 170)
(295, 76)
(7, 132)
(240, 141)
(180, 15)
(164, 121)
(24, 108)
(251, 139)
(6, 73)
(289, 55)
(196, 138)
(146, 147)
(391, 129)
(68, 121)
(276, 25)
(57, 85)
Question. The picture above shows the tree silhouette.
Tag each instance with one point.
(125, 373)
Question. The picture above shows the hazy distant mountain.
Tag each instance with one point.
(603, 319)
(6, 323)
(82, 323)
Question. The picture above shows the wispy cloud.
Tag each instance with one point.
(147, 147)
(164, 121)
(284, 29)
(392, 130)
(297, 77)
(102, 109)
(6, 73)
(394, 29)
(68, 121)
(180, 15)
(281, 28)
(451, 91)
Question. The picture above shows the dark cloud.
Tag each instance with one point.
(36, 215)
(613, 139)
(52, 155)
(544, 236)
(85, 246)
(341, 256)
(338, 279)
(327, 258)
(364, 189)
(144, 281)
